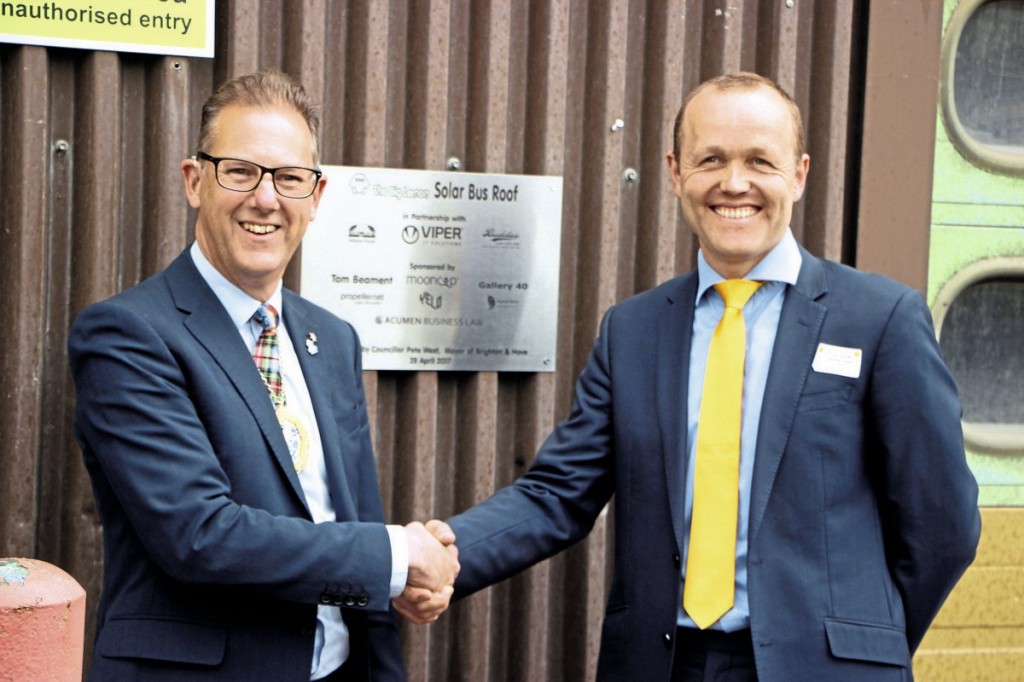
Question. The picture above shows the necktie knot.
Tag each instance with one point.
(736, 292)
(267, 317)
(267, 353)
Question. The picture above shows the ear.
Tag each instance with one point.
(673, 173)
(317, 193)
(191, 173)
(802, 167)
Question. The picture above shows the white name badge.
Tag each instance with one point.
(844, 362)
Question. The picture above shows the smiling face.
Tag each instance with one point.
(738, 174)
(250, 237)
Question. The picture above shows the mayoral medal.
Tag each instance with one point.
(296, 435)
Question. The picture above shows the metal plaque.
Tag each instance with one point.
(439, 270)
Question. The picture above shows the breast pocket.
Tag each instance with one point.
(825, 399)
(348, 418)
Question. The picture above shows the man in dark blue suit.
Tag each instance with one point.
(243, 528)
(856, 513)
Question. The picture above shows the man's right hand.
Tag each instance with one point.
(433, 567)
(433, 564)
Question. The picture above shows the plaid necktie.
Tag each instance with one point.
(267, 353)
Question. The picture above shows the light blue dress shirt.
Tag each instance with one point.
(777, 269)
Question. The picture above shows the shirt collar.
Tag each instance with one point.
(781, 264)
(240, 305)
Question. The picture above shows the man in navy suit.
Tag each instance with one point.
(856, 511)
(244, 538)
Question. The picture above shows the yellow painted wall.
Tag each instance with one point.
(979, 634)
(977, 217)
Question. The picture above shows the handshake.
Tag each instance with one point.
(433, 567)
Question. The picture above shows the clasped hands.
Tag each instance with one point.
(433, 567)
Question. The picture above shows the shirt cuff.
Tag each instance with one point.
(399, 559)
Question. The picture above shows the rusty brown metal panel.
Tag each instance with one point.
(416, 487)
(900, 96)
(830, 115)
(573, 35)
(23, 255)
(663, 247)
(433, 87)
(95, 194)
(305, 43)
(476, 478)
(239, 37)
(504, 86)
(170, 139)
(377, 82)
(58, 483)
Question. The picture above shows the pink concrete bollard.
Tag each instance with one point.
(42, 622)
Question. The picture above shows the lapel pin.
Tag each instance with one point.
(311, 344)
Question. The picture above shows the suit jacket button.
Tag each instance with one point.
(668, 639)
(677, 560)
(350, 600)
(363, 600)
(338, 600)
(325, 598)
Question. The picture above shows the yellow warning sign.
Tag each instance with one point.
(170, 27)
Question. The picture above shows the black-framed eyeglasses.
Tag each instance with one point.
(239, 175)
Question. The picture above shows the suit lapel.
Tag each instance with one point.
(795, 343)
(318, 375)
(675, 327)
(211, 326)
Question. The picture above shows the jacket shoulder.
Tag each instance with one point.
(654, 299)
(867, 281)
(150, 300)
(846, 287)
(317, 314)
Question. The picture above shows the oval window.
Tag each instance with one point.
(983, 82)
(981, 334)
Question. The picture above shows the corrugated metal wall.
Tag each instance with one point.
(92, 202)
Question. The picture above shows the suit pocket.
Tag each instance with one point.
(348, 419)
(160, 639)
(824, 400)
(615, 626)
(867, 642)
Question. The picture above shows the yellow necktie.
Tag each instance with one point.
(711, 563)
